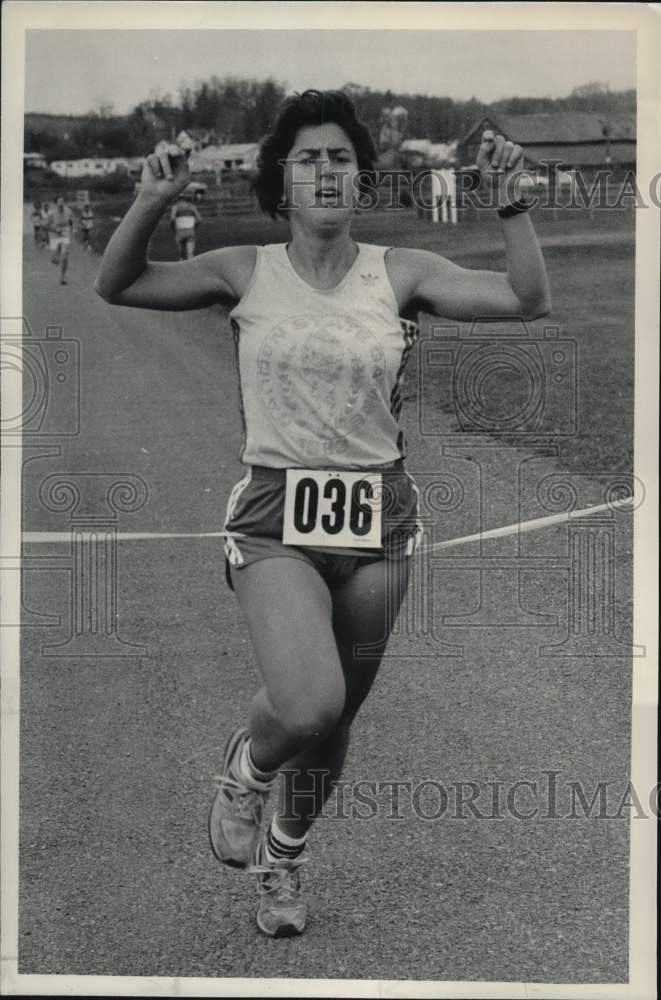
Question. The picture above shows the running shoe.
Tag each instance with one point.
(282, 910)
(236, 813)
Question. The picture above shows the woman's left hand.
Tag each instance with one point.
(500, 162)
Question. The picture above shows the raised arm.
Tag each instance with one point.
(127, 277)
(427, 281)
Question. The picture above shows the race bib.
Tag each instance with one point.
(333, 508)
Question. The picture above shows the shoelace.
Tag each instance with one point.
(284, 880)
(247, 802)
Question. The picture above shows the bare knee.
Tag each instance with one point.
(306, 722)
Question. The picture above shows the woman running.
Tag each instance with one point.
(321, 529)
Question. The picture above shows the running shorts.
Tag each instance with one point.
(254, 525)
(59, 242)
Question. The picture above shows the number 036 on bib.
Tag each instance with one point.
(332, 508)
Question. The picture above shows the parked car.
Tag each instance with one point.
(197, 189)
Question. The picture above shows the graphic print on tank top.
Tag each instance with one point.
(320, 370)
(321, 378)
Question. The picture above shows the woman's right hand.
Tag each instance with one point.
(165, 172)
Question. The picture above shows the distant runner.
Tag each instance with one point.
(60, 225)
(37, 219)
(184, 219)
(86, 224)
(45, 211)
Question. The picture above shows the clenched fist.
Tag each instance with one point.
(500, 163)
(165, 171)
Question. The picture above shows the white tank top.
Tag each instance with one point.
(320, 370)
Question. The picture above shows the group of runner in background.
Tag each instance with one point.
(53, 225)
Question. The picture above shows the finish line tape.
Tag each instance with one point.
(43, 537)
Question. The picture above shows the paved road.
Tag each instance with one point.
(118, 754)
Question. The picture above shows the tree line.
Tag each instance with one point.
(236, 109)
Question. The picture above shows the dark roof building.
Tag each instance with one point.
(576, 138)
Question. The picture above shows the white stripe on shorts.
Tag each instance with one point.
(232, 550)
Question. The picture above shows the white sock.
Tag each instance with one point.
(251, 775)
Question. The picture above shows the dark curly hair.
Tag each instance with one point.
(312, 107)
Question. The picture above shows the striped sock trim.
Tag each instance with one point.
(280, 846)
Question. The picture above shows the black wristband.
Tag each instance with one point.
(516, 208)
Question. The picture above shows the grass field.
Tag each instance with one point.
(591, 266)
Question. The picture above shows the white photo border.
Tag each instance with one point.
(646, 22)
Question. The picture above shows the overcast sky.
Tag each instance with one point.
(71, 71)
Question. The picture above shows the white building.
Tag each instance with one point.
(231, 156)
(423, 152)
(35, 160)
(94, 166)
